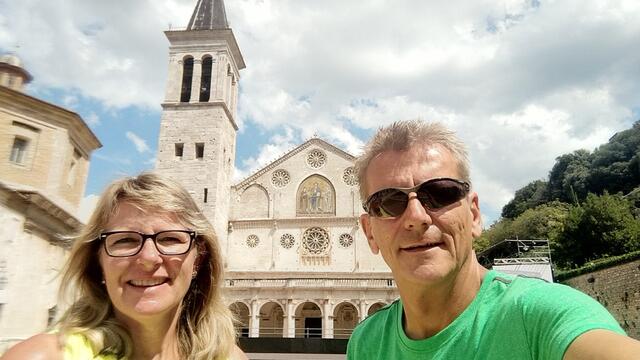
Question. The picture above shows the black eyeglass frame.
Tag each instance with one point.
(103, 237)
(466, 187)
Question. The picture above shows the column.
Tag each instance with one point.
(174, 81)
(327, 320)
(362, 310)
(195, 81)
(290, 325)
(254, 321)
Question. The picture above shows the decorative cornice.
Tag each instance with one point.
(63, 224)
(40, 110)
(306, 221)
(185, 105)
(313, 141)
(331, 283)
(265, 275)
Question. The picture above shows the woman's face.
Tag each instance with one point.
(147, 284)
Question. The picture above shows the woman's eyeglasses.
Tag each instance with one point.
(129, 243)
(433, 194)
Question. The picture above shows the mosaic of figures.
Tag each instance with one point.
(315, 197)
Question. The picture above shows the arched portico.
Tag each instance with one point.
(345, 319)
(308, 320)
(241, 311)
(375, 307)
(271, 320)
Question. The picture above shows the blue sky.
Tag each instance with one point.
(522, 82)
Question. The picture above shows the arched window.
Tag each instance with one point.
(205, 82)
(315, 197)
(187, 77)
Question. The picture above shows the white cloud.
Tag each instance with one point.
(278, 146)
(151, 161)
(138, 142)
(92, 119)
(521, 81)
(87, 205)
(113, 159)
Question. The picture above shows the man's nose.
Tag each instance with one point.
(415, 216)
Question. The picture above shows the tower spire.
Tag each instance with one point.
(208, 15)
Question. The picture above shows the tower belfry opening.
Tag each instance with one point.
(199, 110)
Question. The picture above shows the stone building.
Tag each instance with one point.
(297, 262)
(44, 161)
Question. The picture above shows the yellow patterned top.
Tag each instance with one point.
(77, 347)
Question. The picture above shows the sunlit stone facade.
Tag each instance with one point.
(44, 160)
(297, 261)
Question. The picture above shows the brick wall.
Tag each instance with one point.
(618, 289)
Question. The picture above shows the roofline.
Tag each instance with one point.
(289, 153)
(44, 203)
(68, 113)
(224, 34)
(18, 69)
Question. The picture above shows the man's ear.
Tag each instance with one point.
(476, 228)
(365, 222)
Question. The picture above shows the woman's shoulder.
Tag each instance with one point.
(38, 347)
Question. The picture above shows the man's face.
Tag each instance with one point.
(421, 246)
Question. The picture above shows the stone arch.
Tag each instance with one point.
(271, 320)
(308, 320)
(187, 78)
(316, 196)
(242, 314)
(345, 319)
(205, 78)
(253, 203)
(375, 307)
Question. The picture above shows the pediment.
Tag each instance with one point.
(317, 142)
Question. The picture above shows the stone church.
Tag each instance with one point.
(298, 264)
(45, 152)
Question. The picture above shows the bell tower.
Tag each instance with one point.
(198, 125)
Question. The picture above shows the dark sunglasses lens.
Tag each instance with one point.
(386, 203)
(393, 204)
(440, 193)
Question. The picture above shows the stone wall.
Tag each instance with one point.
(618, 289)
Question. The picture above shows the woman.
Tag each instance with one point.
(146, 273)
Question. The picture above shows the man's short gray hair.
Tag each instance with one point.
(402, 135)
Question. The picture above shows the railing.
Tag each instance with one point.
(310, 283)
(300, 332)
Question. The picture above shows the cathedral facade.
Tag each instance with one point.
(297, 262)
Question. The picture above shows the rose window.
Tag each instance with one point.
(349, 176)
(315, 240)
(252, 241)
(345, 240)
(316, 159)
(287, 241)
(280, 178)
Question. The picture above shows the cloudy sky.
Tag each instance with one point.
(520, 81)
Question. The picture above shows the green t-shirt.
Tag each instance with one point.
(511, 317)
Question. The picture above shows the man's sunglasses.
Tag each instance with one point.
(433, 194)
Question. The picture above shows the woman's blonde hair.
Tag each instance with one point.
(205, 328)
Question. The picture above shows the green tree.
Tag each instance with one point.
(530, 196)
(599, 227)
(568, 177)
(542, 222)
(497, 232)
(615, 165)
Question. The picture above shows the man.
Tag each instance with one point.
(422, 216)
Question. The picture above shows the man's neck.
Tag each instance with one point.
(429, 310)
